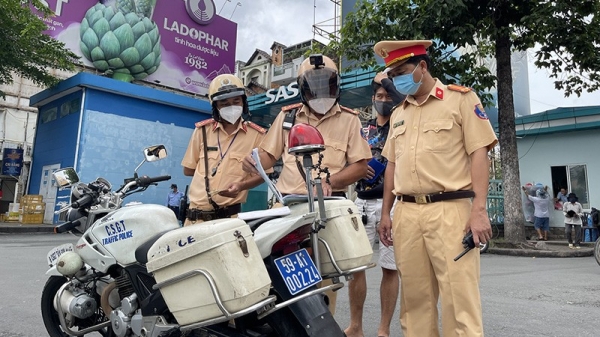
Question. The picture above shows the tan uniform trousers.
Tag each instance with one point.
(427, 238)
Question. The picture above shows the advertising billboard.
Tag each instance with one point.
(182, 44)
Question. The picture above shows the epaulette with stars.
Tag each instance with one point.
(204, 122)
(292, 106)
(459, 88)
(345, 109)
(256, 127)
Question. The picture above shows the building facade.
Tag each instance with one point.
(558, 148)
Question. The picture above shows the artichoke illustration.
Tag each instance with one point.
(121, 39)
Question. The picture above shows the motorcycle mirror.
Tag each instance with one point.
(65, 177)
(156, 152)
(305, 139)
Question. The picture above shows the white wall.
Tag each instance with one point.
(537, 154)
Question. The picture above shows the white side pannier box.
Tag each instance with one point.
(224, 249)
(344, 233)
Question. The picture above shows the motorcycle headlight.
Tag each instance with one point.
(69, 263)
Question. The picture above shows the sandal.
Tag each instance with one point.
(540, 239)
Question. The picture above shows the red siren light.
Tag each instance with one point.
(305, 139)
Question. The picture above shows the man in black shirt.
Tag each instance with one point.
(370, 196)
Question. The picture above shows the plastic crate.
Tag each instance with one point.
(34, 218)
(31, 198)
(36, 207)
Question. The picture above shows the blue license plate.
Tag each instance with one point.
(298, 271)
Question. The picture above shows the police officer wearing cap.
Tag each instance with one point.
(346, 151)
(215, 153)
(437, 153)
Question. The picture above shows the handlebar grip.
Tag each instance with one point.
(145, 181)
(67, 226)
(86, 199)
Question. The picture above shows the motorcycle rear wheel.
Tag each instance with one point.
(50, 315)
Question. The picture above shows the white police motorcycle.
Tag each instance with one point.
(135, 272)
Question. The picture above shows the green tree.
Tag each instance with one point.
(26, 51)
(466, 33)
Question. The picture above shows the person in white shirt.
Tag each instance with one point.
(541, 205)
(573, 212)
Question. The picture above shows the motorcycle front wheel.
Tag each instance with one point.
(50, 315)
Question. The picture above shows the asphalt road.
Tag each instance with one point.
(521, 296)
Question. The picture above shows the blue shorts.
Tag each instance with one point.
(542, 223)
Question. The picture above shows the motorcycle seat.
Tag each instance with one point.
(141, 253)
(254, 224)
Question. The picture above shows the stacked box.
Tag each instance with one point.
(31, 199)
(32, 209)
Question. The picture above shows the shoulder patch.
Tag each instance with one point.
(204, 122)
(292, 106)
(480, 112)
(345, 109)
(256, 127)
(459, 88)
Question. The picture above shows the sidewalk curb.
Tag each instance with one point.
(541, 253)
(18, 228)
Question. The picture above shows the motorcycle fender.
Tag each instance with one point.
(315, 317)
(53, 272)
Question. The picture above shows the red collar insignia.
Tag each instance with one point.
(439, 93)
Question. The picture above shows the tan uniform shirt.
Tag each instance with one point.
(225, 155)
(344, 145)
(430, 143)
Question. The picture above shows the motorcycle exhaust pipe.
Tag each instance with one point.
(105, 299)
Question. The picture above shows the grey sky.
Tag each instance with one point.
(260, 22)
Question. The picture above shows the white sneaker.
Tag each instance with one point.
(571, 245)
(577, 247)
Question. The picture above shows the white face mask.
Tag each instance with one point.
(321, 105)
(231, 113)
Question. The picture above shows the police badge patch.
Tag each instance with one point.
(480, 112)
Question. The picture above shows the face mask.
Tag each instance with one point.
(231, 113)
(383, 108)
(405, 83)
(321, 105)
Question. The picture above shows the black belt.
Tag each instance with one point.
(435, 197)
(194, 214)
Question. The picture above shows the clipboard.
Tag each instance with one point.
(378, 167)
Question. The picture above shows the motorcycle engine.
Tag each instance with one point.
(78, 303)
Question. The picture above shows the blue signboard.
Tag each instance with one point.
(12, 162)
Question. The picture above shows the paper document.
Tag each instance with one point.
(262, 173)
(279, 211)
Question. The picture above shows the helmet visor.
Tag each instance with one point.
(319, 83)
(227, 92)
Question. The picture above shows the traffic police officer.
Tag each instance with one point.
(219, 186)
(346, 151)
(437, 152)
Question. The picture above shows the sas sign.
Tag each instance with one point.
(274, 95)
